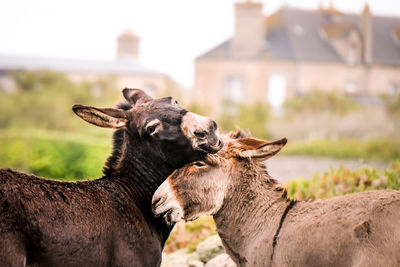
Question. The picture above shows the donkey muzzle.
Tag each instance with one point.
(165, 204)
(202, 132)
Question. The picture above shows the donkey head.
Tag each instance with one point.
(199, 188)
(166, 130)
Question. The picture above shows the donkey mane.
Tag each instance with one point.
(112, 161)
(239, 133)
(109, 168)
(259, 166)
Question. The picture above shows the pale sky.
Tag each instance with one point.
(172, 32)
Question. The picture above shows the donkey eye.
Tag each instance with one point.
(199, 164)
(175, 102)
(153, 126)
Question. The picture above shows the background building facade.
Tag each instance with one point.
(295, 51)
(125, 71)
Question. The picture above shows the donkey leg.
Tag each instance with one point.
(12, 251)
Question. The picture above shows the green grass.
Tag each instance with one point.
(383, 149)
(54, 155)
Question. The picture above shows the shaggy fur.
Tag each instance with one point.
(260, 226)
(105, 222)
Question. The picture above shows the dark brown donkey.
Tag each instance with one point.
(105, 222)
(259, 226)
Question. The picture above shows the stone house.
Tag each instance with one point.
(124, 71)
(294, 51)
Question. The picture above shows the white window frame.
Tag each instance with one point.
(277, 90)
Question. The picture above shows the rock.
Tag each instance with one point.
(209, 248)
(205, 251)
(195, 263)
(222, 260)
(177, 259)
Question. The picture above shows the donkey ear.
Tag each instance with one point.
(256, 148)
(103, 117)
(136, 96)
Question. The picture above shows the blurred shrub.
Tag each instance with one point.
(248, 118)
(318, 101)
(392, 103)
(44, 100)
(198, 109)
(54, 156)
(383, 149)
(29, 81)
(344, 181)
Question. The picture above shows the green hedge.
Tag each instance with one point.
(320, 101)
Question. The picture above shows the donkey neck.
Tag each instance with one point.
(137, 168)
(141, 176)
(251, 216)
(132, 174)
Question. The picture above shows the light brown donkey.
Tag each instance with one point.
(260, 226)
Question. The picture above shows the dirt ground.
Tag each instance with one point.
(284, 168)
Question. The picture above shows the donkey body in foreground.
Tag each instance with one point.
(108, 221)
(260, 226)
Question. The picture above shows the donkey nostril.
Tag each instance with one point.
(157, 201)
(200, 134)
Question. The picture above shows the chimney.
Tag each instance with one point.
(366, 31)
(128, 46)
(320, 6)
(249, 34)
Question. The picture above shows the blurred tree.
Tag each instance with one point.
(249, 118)
(195, 108)
(45, 98)
(392, 103)
(319, 101)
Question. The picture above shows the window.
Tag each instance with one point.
(234, 89)
(276, 90)
(351, 87)
(298, 29)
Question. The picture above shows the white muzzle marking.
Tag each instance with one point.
(167, 204)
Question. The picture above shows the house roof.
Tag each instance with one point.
(295, 34)
(337, 30)
(70, 65)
